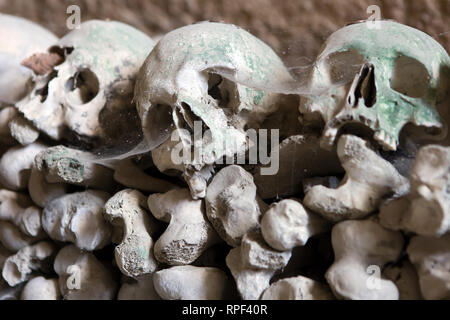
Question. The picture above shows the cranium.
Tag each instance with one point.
(19, 38)
(399, 72)
(89, 94)
(180, 83)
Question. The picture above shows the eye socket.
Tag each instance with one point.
(82, 88)
(214, 80)
(343, 66)
(410, 77)
(222, 90)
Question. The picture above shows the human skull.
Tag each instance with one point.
(89, 94)
(19, 38)
(399, 72)
(181, 83)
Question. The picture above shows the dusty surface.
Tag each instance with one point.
(294, 28)
(42, 63)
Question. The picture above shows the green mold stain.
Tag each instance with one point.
(257, 95)
(118, 38)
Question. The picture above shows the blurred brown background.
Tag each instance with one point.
(294, 28)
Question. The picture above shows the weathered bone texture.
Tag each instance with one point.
(217, 79)
(87, 94)
(257, 254)
(127, 211)
(426, 210)
(192, 283)
(190, 89)
(40, 288)
(78, 218)
(406, 279)
(131, 176)
(369, 178)
(288, 224)
(300, 157)
(19, 267)
(43, 63)
(65, 165)
(297, 288)
(27, 219)
(232, 205)
(16, 164)
(362, 248)
(13, 239)
(189, 232)
(43, 192)
(19, 38)
(23, 130)
(83, 277)
(251, 283)
(140, 288)
(381, 78)
(253, 264)
(431, 257)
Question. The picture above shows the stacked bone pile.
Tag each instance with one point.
(93, 204)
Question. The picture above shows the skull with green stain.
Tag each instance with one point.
(91, 86)
(382, 77)
(185, 81)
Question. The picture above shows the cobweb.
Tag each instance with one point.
(300, 67)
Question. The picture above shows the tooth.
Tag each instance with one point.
(380, 136)
(388, 142)
(393, 144)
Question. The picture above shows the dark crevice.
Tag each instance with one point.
(213, 86)
(410, 77)
(218, 89)
(43, 92)
(366, 87)
(190, 118)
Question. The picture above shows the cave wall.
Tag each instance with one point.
(294, 28)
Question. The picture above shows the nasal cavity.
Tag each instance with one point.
(214, 81)
(366, 87)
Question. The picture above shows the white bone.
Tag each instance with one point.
(78, 218)
(362, 248)
(93, 279)
(127, 211)
(368, 179)
(232, 204)
(189, 232)
(192, 283)
(19, 267)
